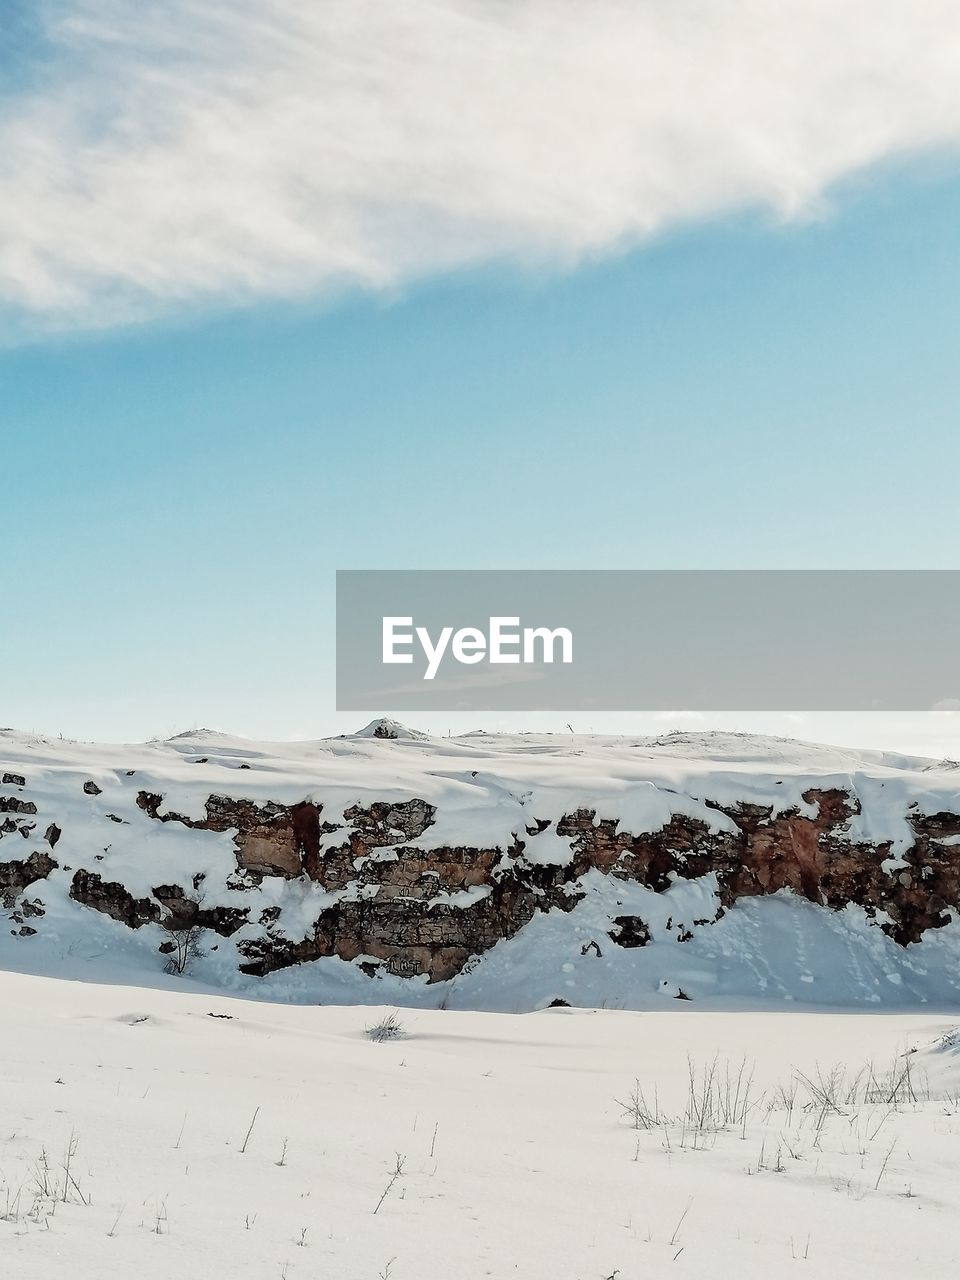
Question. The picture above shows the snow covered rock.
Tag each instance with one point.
(386, 728)
(519, 869)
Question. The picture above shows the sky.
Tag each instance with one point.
(455, 286)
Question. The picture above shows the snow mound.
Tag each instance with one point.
(393, 729)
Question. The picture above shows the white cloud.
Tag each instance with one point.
(194, 151)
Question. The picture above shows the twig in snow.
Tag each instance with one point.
(883, 1167)
(394, 1175)
(250, 1130)
(676, 1229)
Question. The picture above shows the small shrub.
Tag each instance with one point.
(182, 947)
(388, 1028)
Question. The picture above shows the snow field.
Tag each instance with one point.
(143, 1132)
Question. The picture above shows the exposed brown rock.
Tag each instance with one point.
(150, 803)
(271, 839)
(113, 900)
(12, 804)
(305, 818)
(17, 876)
(185, 912)
(388, 824)
(814, 857)
(395, 909)
(407, 925)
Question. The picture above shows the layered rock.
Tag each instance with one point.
(399, 909)
(110, 897)
(388, 892)
(271, 839)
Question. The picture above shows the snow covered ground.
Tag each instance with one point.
(160, 1133)
(159, 1126)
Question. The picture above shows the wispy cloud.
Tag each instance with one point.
(187, 151)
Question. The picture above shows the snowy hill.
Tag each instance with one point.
(486, 871)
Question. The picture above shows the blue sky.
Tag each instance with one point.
(749, 387)
(740, 395)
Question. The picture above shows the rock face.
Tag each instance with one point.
(399, 883)
(272, 839)
(400, 911)
(188, 912)
(169, 904)
(17, 876)
(384, 824)
(113, 900)
(406, 922)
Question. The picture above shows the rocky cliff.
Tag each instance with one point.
(405, 858)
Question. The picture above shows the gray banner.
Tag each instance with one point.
(647, 640)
